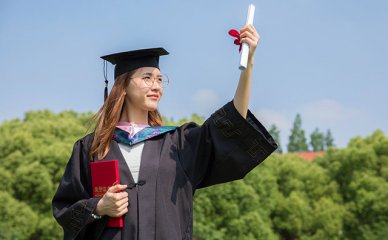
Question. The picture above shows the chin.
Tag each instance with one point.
(152, 107)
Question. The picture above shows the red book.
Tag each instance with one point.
(104, 175)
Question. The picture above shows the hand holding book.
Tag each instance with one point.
(106, 185)
(114, 202)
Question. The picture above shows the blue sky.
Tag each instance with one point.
(327, 60)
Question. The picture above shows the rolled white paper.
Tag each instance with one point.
(245, 47)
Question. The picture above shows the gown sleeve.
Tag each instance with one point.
(225, 148)
(73, 203)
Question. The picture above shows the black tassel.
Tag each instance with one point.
(105, 70)
(106, 90)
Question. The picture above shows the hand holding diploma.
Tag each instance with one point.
(249, 37)
(245, 47)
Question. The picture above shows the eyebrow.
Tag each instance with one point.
(150, 74)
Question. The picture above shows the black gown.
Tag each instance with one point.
(173, 165)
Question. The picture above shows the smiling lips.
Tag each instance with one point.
(153, 96)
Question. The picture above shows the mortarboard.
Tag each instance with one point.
(127, 61)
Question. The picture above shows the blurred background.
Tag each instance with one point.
(326, 60)
(320, 85)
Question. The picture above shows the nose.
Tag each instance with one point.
(155, 85)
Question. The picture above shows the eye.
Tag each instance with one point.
(146, 77)
(159, 79)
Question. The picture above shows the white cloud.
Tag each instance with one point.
(268, 117)
(328, 112)
(205, 101)
(344, 121)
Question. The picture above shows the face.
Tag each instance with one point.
(143, 90)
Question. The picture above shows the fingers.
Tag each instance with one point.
(117, 188)
(121, 213)
(123, 206)
(121, 202)
(114, 202)
(249, 28)
(115, 197)
(250, 42)
(120, 209)
(120, 195)
(249, 32)
(249, 35)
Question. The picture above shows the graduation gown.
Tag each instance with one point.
(173, 165)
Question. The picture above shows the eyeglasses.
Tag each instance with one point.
(161, 80)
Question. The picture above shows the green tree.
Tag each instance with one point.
(339, 196)
(303, 184)
(34, 186)
(6, 181)
(359, 171)
(317, 141)
(275, 133)
(194, 118)
(47, 228)
(297, 139)
(293, 216)
(230, 211)
(17, 219)
(329, 141)
(33, 155)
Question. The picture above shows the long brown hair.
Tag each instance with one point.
(109, 115)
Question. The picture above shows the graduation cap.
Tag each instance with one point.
(127, 61)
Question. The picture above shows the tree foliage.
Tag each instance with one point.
(33, 155)
(329, 140)
(275, 133)
(320, 141)
(342, 195)
(297, 141)
(360, 171)
(17, 219)
(317, 141)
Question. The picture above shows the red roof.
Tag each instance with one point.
(310, 155)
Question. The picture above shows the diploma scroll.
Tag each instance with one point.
(245, 47)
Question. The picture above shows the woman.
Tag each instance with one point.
(160, 167)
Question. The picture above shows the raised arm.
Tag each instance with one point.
(248, 35)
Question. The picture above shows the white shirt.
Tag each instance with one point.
(132, 154)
